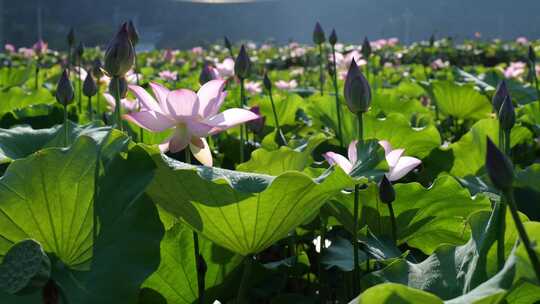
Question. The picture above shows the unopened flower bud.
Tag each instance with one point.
(507, 114)
(79, 51)
(366, 48)
(357, 90)
(333, 37)
(71, 38)
(89, 86)
(242, 64)
(120, 55)
(499, 167)
(432, 40)
(207, 74)
(532, 54)
(267, 82)
(500, 95)
(227, 43)
(122, 89)
(318, 34)
(64, 90)
(133, 33)
(256, 125)
(387, 194)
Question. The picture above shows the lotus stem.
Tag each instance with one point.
(321, 73)
(135, 68)
(242, 128)
(336, 92)
(322, 279)
(278, 127)
(522, 232)
(90, 110)
(37, 74)
(500, 210)
(243, 291)
(356, 271)
(80, 85)
(393, 221)
(66, 128)
(117, 106)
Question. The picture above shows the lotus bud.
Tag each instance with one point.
(64, 90)
(500, 95)
(333, 39)
(71, 38)
(123, 86)
(40, 47)
(207, 74)
(532, 54)
(366, 48)
(507, 114)
(242, 64)
(89, 86)
(256, 125)
(357, 91)
(267, 83)
(387, 194)
(133, 33)
(318, 34)
(499, 167)
(80, 50)
(432, 40)
(227, 43)
(120, 55)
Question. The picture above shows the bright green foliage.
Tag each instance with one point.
(460, 101)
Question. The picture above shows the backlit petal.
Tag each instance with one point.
(404, 166)
(202, 154)
(351, 153)
(147, 101)
(210, 97)
(150, 120)
(230, 118)
(393, 157)
(182, 103)
(334, 158)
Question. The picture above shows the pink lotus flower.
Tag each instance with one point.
(197, 50)
(225, 69)
(522, 40)
(253, 87)
(515, 69)
(126, 104)
(40, 47)
(286, 85)
(168, 55)
(26, 52)
(168, 75)
(439, 64)
(192, 116)
(398, 164)
(9, 48)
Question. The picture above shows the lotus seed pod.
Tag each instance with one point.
(507, 115)
(366, 48)
(64, 90)
(133, 33)
(242, 64)
(357, 90)
(500, 95)
(25, 268)
(318, 34)
(387, 194)
(113, 86)
(89, 86)
(120, 55)
(333, 39)
(499, 167)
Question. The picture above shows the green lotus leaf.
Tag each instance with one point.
(391, 293)
(51, 197)
(460, 101)
(176, 278)
(243, 212)
(17, 98)
(426, 217)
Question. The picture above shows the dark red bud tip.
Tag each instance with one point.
(387, 194)
(499, 167)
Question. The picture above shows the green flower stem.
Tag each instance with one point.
(117, 105)
(336, 92)
(242, 127)
(321, 73)
(38, 60)
(522, 232)
(90, 110)
(243, 294)
(135, 67)
(80, 85)
(356, 272)
(278, 127)
(196, 251)
(534, 79)
(394, 224)
(322, 277)
(66, 127)
(500, 210)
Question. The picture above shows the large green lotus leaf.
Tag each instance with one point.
(394, 127)
(286, 109)
(530, 116)
(21, 141)
(460, 101)
(243, 212)
(14, 76)
(426, 217)
(460, 274)
(391, 293)
(391, 101)
(529, 178)
(282, 160)
(176, 278)
(469, 152)
(49, 196)
(17, 98)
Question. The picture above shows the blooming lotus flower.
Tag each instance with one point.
(226, 68)
(515, 69)
(26, 52)
(9, 48)
(168, 75)
(286, 85)
(168, 55)
(439, 64)
(522, 40)
(40, 47)
(253, 87)
(126, 104)
(192, 116)
(398, 164)
(197, 50)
